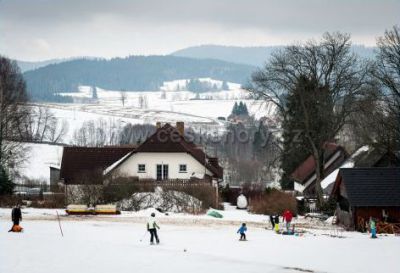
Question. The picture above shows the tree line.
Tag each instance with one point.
(134, 73)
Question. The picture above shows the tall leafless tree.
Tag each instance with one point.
(310, 69)
(386, 70)
(13, 113)
(123, 97)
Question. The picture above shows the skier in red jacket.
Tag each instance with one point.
(287, 217)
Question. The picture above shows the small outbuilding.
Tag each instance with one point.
(362, 193)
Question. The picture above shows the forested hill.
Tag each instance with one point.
(135, 73)
(248, 55)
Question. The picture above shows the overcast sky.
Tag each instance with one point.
(45, 29)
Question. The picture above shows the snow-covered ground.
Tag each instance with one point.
(109, 245)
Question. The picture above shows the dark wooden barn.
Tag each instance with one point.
(365, 192)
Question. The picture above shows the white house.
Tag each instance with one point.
(165, 155)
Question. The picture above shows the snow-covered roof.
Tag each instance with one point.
(349, 163)
(116, 163)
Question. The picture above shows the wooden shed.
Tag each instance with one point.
(365, 192)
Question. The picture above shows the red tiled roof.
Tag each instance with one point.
(79, 160)
(307, 167)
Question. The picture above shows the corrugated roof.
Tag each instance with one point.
(371, 187)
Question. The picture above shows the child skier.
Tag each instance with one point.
(276, 221)
(372, 227)
(242, 230)
(152, 228)
(287, 217)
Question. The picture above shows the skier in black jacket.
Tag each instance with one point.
(16, 216)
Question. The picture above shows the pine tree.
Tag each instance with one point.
(6, 185)
(244, 111)
(94, 93)
(235, 109)
(224, 86)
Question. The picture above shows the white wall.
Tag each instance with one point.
(130, 166)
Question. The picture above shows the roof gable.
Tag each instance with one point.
(307, 168)
(167, 139)
(78, 160)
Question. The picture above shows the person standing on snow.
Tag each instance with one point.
(287, 217)
(372, 227)
(16, 217)
(272, 220)
(152, 228)
(276, 221)
(242, 230)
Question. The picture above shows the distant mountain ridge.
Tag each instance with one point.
(27, 65)
(255, 56)
(134, 73)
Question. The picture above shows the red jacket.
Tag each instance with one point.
(287, 216)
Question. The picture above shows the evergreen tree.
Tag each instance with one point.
(224, 86)
(6, 185)
(294, 151)
(244, 110)
(94, 92)
(235, 109)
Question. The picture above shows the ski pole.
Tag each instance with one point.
(143, 236)
(59, 224)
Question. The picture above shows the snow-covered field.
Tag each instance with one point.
(109, 245)
(39, 158)
(153, 106)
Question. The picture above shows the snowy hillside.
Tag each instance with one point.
(39, 158)
(153, 106)
(182, 84)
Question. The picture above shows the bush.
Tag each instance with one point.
(273, 202)
(56, 201)
(329, 207)
(9, 201)
(206, 194)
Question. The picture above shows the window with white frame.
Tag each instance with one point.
(141, 168)
(182, 168)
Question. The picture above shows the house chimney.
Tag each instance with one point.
(158, 125)
(180, 125)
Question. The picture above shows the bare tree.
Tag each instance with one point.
(386, 70)
(143, 104)
(387, 65)
(123, 97)
(134, 134)
(13, 113)
(314, 71)
(97, 133)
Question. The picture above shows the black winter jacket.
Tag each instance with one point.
(16, 214)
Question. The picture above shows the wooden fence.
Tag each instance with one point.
(390, 228)
(174, 182)
(381, 227)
